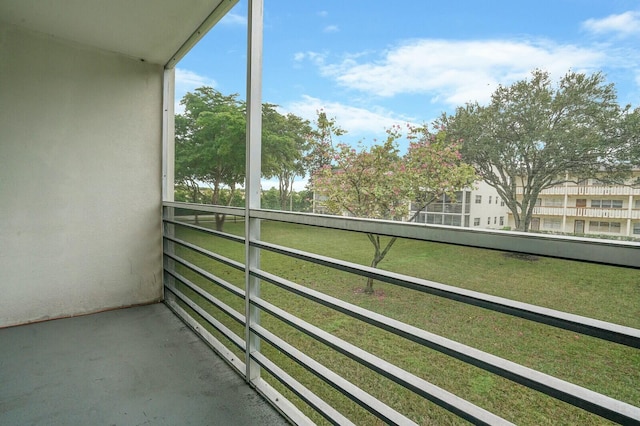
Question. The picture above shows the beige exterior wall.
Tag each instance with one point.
(80, 179)
(589, 208)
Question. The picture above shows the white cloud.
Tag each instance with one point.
(456, 72)
(356, 120)
(317, 58)
(323, 14)
(331, 29)
(624, 24)
(188, 81)
(234, 19)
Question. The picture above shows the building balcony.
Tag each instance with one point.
(299, 356)
(86, 227)
(220, 350)
(595, 190)
(587, 212)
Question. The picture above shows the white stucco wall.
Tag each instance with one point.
(488, 212)
(80, 179)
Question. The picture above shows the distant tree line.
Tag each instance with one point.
(210, 144)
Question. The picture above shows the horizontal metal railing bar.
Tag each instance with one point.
(578, 396)
(223, 329)
(220, 234)
(332, 415)
(613, 252)
(211, 255)
(209, 208)
(232, 313)
(208, 275)
(287, 408)
(584, 325)
(368, 402)
(234, 361)
(433, 393)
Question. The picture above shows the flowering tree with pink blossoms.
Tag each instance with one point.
(377, 182)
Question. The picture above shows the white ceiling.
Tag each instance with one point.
(153, 30)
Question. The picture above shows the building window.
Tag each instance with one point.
(609, 227)
(452, 219)
(488, 221)
(495, 220)
(478, 199)
(435, 219)
(502, 203)
(554, 224)
(607, 204)
(476, 221)
(636, 228)
(497, 198)
(554, 202)
(489, 199)
(501, 220)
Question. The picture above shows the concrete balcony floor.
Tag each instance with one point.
(135, 366)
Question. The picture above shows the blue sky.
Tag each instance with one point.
(372, 64)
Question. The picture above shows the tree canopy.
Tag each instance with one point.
(377, 182)
(284, 142)
(211, 147)
(320, 146)
(210, 143)
(535, 135)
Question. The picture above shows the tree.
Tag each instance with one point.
(536, 135)
(270, 199)
(320, 144)
(630, 136)
(284, 142)
(210, 143)
(186, 170)
(377, 182)
(435, 167)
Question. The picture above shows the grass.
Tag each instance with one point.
(603, 292)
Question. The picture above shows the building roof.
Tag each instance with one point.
(150, 30)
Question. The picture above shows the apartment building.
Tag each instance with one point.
(590, 207)
(478, 207)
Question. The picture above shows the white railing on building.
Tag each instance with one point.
(587, 212)
(587, 190)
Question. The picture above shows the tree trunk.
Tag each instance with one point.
(519, 223)
(215, 200)
(368, 289)
(220, 221)
(377, 257)
(285, 189)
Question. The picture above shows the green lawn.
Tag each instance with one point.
(602, 292)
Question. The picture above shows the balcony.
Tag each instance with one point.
(261, 323)
(87, 225)
(572, 190)
(587, 212)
